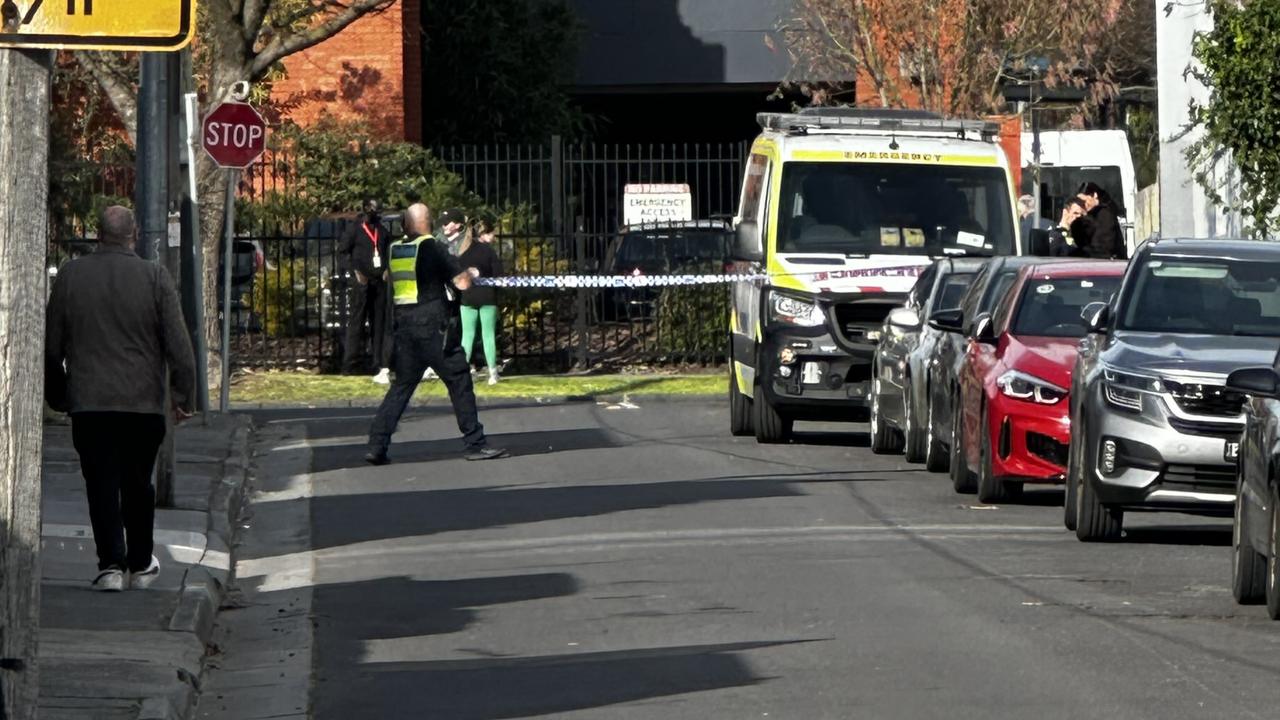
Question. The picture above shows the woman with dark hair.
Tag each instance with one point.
(1106, 238)
(480, 304)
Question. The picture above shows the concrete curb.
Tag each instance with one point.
(205, 585)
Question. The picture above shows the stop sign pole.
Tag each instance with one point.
(235, 136)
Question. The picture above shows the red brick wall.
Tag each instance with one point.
(371, 71)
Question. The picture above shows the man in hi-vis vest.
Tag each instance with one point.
(425, 278)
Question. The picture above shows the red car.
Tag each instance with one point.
(1014, 426)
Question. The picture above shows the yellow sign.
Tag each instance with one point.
(98, 24)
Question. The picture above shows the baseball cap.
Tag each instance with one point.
(451, 215)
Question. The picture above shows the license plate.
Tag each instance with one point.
(1231, 451)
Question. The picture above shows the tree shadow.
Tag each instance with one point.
(340, 457)
(437, 511)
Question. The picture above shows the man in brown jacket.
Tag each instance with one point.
(115, 339)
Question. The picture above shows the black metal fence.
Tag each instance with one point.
(562, 209)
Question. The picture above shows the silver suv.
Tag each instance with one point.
(1153, 426)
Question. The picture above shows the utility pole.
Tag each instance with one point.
(152, 202)
(24, 227)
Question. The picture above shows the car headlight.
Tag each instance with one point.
(1124, 390)
(1022, 386)
(795, 311)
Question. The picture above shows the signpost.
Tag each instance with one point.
(235, 136)
(98, 24)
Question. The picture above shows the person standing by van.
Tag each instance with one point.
(1106, 238)
(480, 303)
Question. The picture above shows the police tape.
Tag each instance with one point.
(652, 281)
(572, 282)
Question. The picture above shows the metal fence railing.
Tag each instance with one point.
(562, 211)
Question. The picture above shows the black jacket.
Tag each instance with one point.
(356, 249)
(115, 322)
(484, 258)
(1106, 239)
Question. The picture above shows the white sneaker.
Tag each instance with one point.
(383, 377)
(142, 580)
(429, 374)
(109, 580)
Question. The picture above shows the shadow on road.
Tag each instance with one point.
(536, 686)
(435, 511)
(832, 439)
(1038, 496)
(342, 457)
(1205, 535)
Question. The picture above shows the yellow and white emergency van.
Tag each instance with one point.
(841, 209)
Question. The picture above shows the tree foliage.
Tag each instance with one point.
(496, 70)
(954, 56)
(1240, 65)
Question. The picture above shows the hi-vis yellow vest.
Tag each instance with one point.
(404, 270)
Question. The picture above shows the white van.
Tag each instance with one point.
(1071, 157)
(841, 210)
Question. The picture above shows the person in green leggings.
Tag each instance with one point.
(480, 304)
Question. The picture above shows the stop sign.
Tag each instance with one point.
(234, 135)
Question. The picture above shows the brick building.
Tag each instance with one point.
(371, 71)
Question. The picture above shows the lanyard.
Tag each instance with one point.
(373, 236)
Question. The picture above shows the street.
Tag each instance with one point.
(635, 561)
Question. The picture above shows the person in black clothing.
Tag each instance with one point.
(1106, 238)
(1072, 231)
(480, 304)
(364, 251)
(424, 276)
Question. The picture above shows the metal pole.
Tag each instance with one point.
(1035, 152)
(193, 255)
(229, 224)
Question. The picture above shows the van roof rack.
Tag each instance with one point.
(875, 120)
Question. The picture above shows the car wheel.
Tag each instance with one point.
(914, 437)
(990, 488)
(935, 453)
(770, 426)
(1248, 566)
(1074, 466)
(740, 420)
(1094, 521)
(884, 439)
(1273, 565)
(961, 477)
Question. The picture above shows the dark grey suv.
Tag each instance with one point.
(1153, 425)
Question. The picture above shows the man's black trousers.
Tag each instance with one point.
(117, 454)
(418, 347)
(371, 305)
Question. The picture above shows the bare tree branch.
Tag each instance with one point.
(117, 76)
(282, 46)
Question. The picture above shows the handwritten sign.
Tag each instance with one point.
(647, 203)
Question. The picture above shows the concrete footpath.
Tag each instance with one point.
(137, 655)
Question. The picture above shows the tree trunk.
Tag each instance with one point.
(24, 152)
(213, 192)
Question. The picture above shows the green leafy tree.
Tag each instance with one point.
(1240, 65)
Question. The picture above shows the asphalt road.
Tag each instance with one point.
(637, 562)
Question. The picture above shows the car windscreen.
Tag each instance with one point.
(1210, 296)
(665, 250)
(952, 291)
(858, 208)
(1051, 307)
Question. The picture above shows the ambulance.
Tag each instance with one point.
(841, 209)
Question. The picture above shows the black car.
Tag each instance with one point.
(907, 344)
(695, 247)
(1255, 570)
(941, 381)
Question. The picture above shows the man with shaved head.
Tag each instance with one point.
(115, 339)
(425, 280)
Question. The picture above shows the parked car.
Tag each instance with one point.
(1153, 425)
(1255, 567)
(1016, 373)
(694, 247)
(941, 382)
(906, 346)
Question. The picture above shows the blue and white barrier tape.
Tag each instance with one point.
(612, 281)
